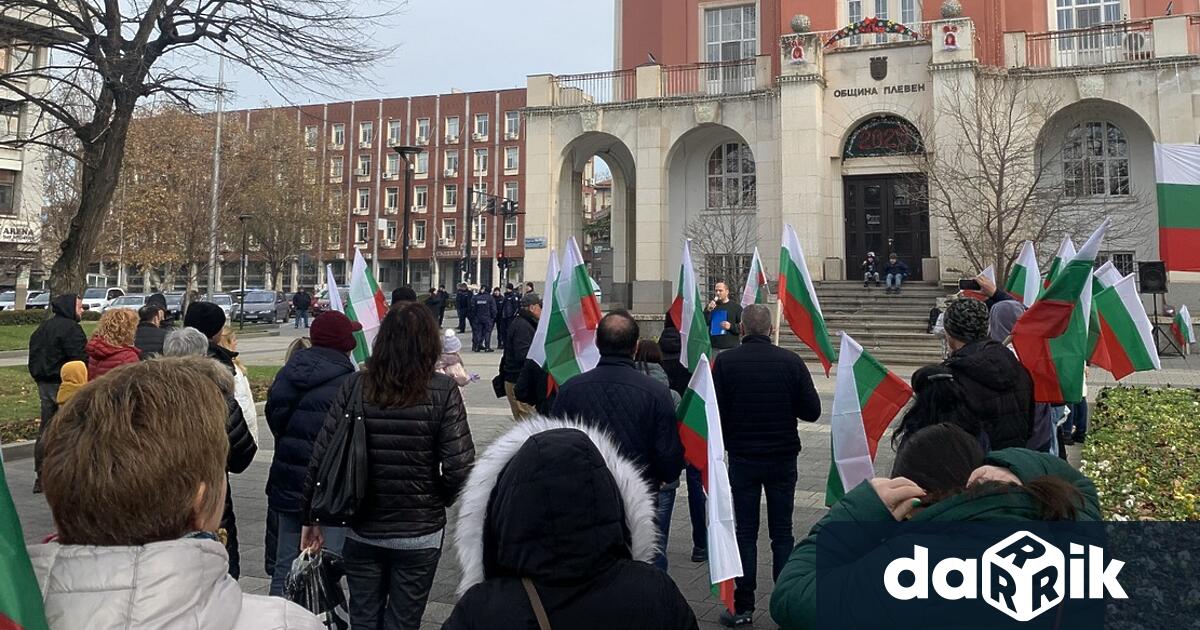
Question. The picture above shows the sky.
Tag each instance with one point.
(467, 45)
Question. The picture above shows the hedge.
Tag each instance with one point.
(36, 316)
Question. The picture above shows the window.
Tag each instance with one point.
(450, 196)
(1086, 13)
(337, 199)
(335, 233)
(422, 166)
(512, 125)
(730, 33)
(390, 231)
(337, 134)
(481, 125)
(481, 161)
(881, 12)
(393, 132)
(451, 163)
(420, 198)
(449, 231)
(392, 199)
(336, 168)
(510, 191)
(364, 166)
(393, 165)
(908, 12)
(481, 230)
(731, 178)
(364, 199)
(452, 129)
(310, 136)
(1096, 161)
(479, 196)
(360, 232)
(10, 119)
(512, 158)
(7, 190)
(422, 130)
(510, 229)
(418, 233)
(1122, 261)
(310, 170)
(722, 267)
(366, 133)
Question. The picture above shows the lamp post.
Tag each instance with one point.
(406, 154)
(242, 218)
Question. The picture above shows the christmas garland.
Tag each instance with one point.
(872, 25)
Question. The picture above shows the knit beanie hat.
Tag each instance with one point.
(967, 320)
(450, 341)
(335, 331)
(206, 317)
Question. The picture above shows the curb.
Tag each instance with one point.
(17, 451)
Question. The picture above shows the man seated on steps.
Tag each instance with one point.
(894, 273)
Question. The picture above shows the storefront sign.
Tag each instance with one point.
(906, 88)
(535, 242)
(14, 231)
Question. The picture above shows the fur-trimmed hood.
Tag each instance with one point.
(552, 500)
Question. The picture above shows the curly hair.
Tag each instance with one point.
(403, 357)
(118, 326)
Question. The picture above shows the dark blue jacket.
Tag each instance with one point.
(897, 267)
(462, 300)
(483, 308)
(297, 404)
(636, 409)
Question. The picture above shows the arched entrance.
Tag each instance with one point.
(886, 211)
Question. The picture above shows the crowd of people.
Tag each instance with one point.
(563, 521)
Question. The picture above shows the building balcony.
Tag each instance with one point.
(651, 82)
(1115, 44)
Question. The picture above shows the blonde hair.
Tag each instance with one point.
(123, 463)
(228, 340)
(118, 326)
(301, 343)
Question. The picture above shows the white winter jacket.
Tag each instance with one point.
(178, 585)
(245, 399)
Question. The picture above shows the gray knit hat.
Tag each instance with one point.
(967, 320)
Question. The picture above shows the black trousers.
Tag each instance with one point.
(388, 587)
(501, 332)
(748, 480)
(462, 319)
(48, 394)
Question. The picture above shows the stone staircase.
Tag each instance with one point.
(890, 327)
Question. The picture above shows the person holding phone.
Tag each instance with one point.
(724, 319)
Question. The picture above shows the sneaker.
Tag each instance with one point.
(732, 620)
(487, 350)
(699, 554)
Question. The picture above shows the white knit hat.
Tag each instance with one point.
(450, 342)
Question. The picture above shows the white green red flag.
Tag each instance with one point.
(866, 398)
(798, 300)
(1181, 327)
(1177, 178)
(565, 341)
(538, 349)
(1125, 332)
(20, 596)
(1025, 279)
(687, 312)
(1051, 339)
(704, 448)
(1066, 252)
(756, 289)
(335, 296)
(990, 274)
(1107, 275)
(366, 306)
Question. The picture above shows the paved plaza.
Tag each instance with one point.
(489, 417)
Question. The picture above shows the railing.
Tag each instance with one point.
(1094, 46)
(595, 88)
(923, 29)
(713, 78)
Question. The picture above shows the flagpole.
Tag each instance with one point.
(778, 317)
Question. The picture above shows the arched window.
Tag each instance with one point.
(731, 181)
(1096, 161)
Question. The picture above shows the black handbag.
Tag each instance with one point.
(341, 481)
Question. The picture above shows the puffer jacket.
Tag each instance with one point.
(297, 404)
(998, 391)
(556, 503)
(103, 357)
(56, 341)
(419, 460)
(794, 602)
(671, 345)
(656, 372)
(171, 585)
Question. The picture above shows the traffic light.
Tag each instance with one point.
(491, 205)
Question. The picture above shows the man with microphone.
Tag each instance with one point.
(724, 317)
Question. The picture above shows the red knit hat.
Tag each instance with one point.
(335, 331)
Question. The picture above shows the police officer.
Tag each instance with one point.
(483, 316)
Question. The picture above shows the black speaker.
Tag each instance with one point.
(1152, 276)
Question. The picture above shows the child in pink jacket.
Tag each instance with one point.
(450, 363)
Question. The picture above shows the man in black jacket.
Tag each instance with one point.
(723, 315)
(462, 304)
(150, 334)
(436, 301)
(509, 306)
(762, 390)
(302, 301)
(516, 347)
(56, 341)
(635, 408)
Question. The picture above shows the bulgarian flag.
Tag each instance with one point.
(990, 274)
(539, 349)
(687, 313)
(20, 597)
(1051, 339)
(1181, 327)
(366, 306)
(1066, 251)
(1107, 275)
(798, 300)
(865, 400)
(1177, 170)
(1024, 279)
(1125, 331)
(564, 343)
(704, 448)
(756, 283)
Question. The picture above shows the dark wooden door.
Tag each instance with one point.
(886, 214)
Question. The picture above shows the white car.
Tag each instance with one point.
(225, 301)
(132, 301)
(98, 298)
(8, 299)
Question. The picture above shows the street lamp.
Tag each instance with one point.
(242, 218)
(406, 154)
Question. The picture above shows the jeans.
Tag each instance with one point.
(287, 547)
(1076, 424)
(270, 542)
(894, 280)
(388, 587)
(696, 508)
(748, 478)
(301, 314)
(481, 335)
(871, 276)
(47, 393)
(663, 504)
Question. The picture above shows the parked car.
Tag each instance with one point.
(97, 298)
(321, 304)
(262, 306)
(174, 307)
(40, 301)
(130, 301)
(225, 301)
(8, 299)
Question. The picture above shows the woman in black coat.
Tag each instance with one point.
(553, 506)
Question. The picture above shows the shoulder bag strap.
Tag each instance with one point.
(357, 407)
(538, 610)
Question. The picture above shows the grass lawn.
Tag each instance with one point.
(260, 379)
(19, 404)
(17, 337)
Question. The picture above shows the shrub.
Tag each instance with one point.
(91, 316)
(23, 318)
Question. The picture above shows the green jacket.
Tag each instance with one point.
(794, 602)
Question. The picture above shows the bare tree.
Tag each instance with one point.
(109, 55)
(722, 245)
(995, 177)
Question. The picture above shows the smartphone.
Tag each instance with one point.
(969, 284)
